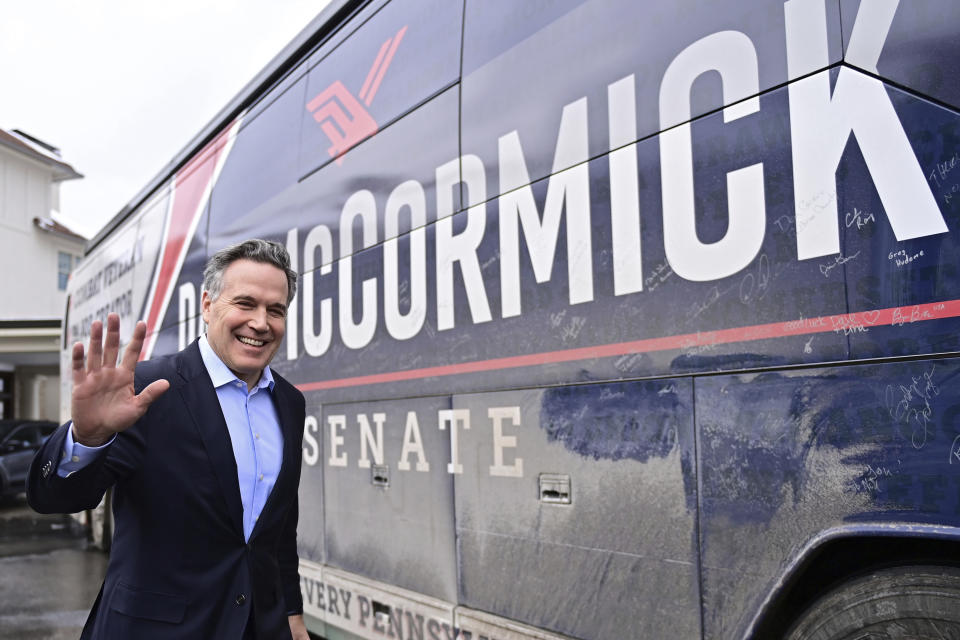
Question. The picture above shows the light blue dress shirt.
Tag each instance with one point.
(254, 434)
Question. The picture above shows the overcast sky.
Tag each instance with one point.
(121, 86)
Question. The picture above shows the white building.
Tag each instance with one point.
(37, 253)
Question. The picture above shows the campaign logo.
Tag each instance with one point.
(343, 116)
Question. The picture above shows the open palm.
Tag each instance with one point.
(104, 401)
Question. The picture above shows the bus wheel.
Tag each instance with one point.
(900, 602)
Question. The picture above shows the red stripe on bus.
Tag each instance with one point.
(189, 187)
(799, 327)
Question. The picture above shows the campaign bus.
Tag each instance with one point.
(617, 320)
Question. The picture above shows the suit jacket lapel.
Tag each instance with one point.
(200, 399)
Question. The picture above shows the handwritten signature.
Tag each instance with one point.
(940, 174)
(837, 261)
(943, 169)
(573, 328)
(869, 480)
(609, 394)
(659, 275)
(753, 287)
(628, 362)
(914, 314)
(910, 404)
(859, 218)
(702, 343)
(903, 258)
(854, 322)
(713, 296)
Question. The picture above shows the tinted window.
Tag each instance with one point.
(920, 50)
(403, 55)
(525, 61)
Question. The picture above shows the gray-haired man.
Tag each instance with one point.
(203, 451)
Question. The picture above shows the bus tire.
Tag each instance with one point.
(899, 602)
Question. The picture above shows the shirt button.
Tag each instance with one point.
(75, 459)
(261, 476)
(257, 436)
(241, 599)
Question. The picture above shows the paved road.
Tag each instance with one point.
(48, 579)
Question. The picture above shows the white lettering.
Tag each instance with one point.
(461, 248)
(455, 418)
(367, 438)
(357, 335)
(312, 455)
(293, 329)
(624, 190)
(821, 124)
(732, 54)
(570, 186)
(318, 239)
(187, 307)
(337, 425)
(412, 443)
(501, 442)
(403, 326)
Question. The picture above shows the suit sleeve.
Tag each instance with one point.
(48, 492)
(289, 561)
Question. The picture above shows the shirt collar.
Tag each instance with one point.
(220, 373)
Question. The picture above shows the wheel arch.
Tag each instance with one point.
(842, 553)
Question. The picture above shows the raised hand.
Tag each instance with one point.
(104, 401)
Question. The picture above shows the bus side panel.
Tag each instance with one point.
(153, 218)
(110, 281)
(387, 494)
(311, 534)
(576, 508)
(916, 279)
(786, 456)
(469, 333)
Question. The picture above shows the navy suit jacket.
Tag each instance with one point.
(179, 565)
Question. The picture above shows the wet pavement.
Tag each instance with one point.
(48, 578)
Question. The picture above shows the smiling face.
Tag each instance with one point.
(246, 322)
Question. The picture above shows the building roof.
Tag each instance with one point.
(51, 225)
(40, 151)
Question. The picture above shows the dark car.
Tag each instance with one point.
(19, 441)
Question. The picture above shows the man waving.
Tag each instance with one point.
(203, 451)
